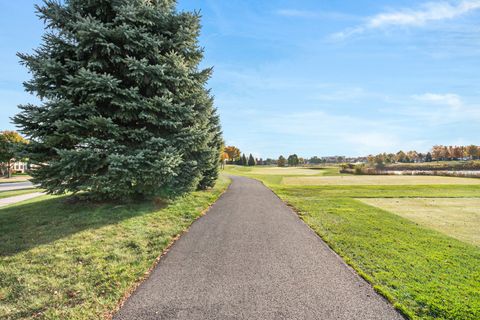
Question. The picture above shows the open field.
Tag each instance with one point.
(458, 218)
(296, 171)
(379, 191)
(425, 273)
(64, 261)
(377, 180)
(276, 175)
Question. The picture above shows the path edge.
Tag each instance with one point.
(400, 308)
(108, 315)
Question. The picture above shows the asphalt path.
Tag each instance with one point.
(10, 186)
(251, 257)
(12, 200)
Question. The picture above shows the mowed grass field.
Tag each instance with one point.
(351, 180)
(458, 218)
(76, 261)
(414, 242)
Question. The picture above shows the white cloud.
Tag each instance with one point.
(372, 140)
(432, 11)
(450, 99)
(360, 135)
(434, 110)
(428, 12)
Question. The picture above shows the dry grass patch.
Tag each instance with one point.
(458, 218)
(377, 180)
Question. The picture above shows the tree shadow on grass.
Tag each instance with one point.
(45, 220)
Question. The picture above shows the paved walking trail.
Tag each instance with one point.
(16, 186)
(11, 200)
(251, 257)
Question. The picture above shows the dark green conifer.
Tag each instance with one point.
(244, 160)
(251, 160)
(124, 110)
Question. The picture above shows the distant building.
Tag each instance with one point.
(333, 159)
(20, 167)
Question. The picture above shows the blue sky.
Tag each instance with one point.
(317, 77)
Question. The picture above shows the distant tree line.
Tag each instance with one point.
(437, 153)
(233, 155)
(293, 160)
(331, 159)
(446, 153)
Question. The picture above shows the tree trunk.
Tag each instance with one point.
(9, 169)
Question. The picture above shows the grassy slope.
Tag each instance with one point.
(13, 193)
(426, 274)
(76, 262)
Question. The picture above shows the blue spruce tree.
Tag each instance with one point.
(124, 110)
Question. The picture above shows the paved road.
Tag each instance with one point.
(15, 186)
(251, 257)
(11, 200)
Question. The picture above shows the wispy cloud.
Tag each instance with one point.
(407, 17)
(321, 130)
(450, 99)
(435, 110)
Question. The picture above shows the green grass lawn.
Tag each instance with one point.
(457, 218)
(64, 261)
(376, 180)
(276, 175)
(425, 273)
(13, 193)
(365, 191)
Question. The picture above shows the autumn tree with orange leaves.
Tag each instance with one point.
(232, 153)
(10, 144)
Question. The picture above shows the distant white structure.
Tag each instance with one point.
(20, 167)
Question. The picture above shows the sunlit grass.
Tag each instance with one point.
(458, 218)
(76, 261)
(378, 180)
(284, 171)
(426, 274)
